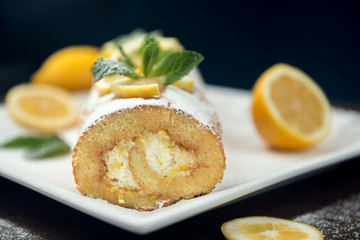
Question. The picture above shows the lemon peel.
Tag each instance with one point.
(256, 228)
(289, 109)
(43, 108)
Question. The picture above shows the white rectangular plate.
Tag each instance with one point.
(251, 165)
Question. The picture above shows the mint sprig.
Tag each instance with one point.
(176, 65)
(104, 67)
(39, 147)
(150, 51)
(172, 65)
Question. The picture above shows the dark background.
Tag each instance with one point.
(239, 41)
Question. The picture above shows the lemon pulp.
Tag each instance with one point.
(289, 109)
(269, 228)
(43, 106)
(297, 104)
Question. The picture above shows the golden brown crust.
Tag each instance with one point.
(154, 189)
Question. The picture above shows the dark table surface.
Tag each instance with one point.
(328, 199)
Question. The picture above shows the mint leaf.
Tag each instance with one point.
(150, 51)
(127, 59)
(41, 146)
(176, 65)
(104, 67)
(25, 141)
(163, 53)
(52, 147)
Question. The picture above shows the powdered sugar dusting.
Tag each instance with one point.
(110, 106)
(173, 98)
(340, 220)
(11, 231)
(191, 105)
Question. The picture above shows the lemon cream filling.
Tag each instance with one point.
(117, 166)
(163, 155)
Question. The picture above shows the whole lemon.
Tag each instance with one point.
(69, 68)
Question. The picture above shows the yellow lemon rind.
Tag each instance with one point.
(103, 86)
(68, 68)
(151, 90)
(41, 123)
(230, 229)
(186, 83)
(268, 120)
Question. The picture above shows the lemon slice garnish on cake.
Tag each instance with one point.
(104, 85)
(256, 228)
(186, 83)
(43, 108)
(143, 88)
(289, 109)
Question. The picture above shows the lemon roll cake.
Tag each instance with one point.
(155, 143)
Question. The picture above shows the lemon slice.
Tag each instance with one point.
(103, 86)
(144, 88)
(41, 107)
(289, 109)
(270, 228)
(186, 83)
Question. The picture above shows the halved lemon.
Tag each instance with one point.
(269, 228)
(143, 88)
(43, 108)
(289, 109)
(186, 83)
